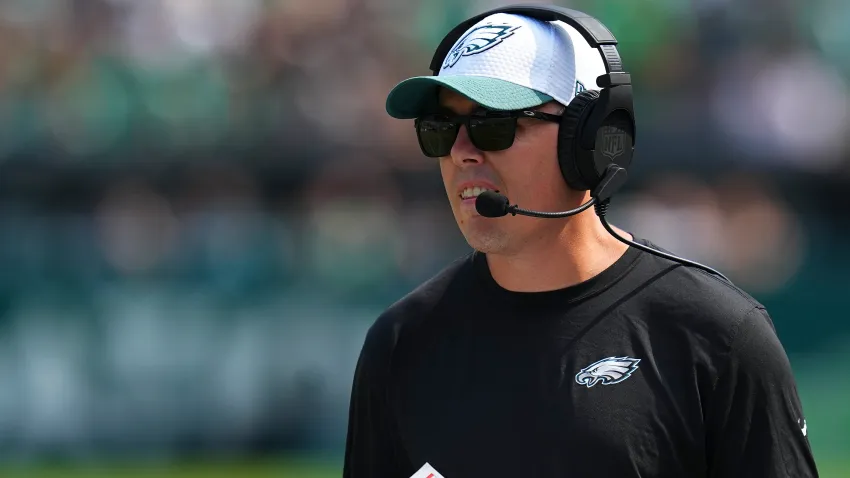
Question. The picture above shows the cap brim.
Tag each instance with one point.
(417, 95)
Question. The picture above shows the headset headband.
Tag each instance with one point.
(594, 32)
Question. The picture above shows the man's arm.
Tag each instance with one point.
(371, 448)
(755, 422)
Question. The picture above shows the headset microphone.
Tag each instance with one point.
(493, 204)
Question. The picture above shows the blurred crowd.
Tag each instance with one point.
(100, 81)
(203, 202)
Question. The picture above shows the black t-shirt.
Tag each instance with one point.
(649, 369)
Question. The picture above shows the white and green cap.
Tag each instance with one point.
(506, 62)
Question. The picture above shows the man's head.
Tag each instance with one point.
(503, 63)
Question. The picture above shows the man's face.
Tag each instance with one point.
(527, 173)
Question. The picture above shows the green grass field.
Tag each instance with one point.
(250, 470)
(283, 469)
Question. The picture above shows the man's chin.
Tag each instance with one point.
(490, 241)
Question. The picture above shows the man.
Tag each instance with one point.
(553, 349)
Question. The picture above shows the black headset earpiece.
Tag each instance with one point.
(570, 155)
(599, 127)
(586, 146)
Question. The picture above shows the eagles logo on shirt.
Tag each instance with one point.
(607, 371)
(478, 40)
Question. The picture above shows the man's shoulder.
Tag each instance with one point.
(422, 299)
(694, 297)
(420, 303)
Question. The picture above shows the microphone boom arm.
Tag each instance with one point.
(514, 210)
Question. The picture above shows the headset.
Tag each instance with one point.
(596, 136)
(598, 127)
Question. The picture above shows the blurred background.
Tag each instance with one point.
(203, 207)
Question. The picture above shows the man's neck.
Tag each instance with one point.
(579, 252)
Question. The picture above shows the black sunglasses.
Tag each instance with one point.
(488, 131)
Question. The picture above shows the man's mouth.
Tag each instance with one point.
(473, 192)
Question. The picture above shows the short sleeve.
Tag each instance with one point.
(755, 423)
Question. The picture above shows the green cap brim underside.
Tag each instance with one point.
(418, 95)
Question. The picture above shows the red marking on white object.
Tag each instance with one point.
(427, 471)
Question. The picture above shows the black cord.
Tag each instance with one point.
(602, 208)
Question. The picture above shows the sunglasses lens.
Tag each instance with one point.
(436, 136)
(492, 134)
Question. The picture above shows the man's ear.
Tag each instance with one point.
(553, 107)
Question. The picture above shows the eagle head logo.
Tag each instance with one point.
(478, 40)
(607, 371)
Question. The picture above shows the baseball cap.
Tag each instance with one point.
(506, 62)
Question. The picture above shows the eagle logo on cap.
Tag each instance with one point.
(478, 40)
(607, 371)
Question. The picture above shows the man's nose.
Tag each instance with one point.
(464, 153)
